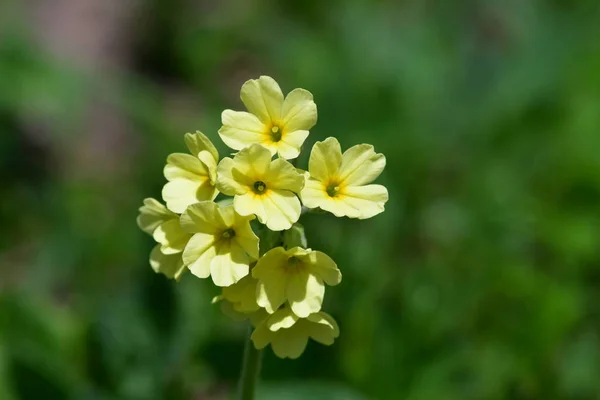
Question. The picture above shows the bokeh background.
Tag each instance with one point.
(480, 281)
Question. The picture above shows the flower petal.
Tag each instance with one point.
(322, 328)
(184, 166)
(282, 209)
(305, 293)
(152, 214)
(283, 318)
(171, 237)
(325, 160)
(203, 217)
(199, 253)
(171, 265)
(283, 176)
(271, 288)
(244, 235)
(263, 98)
(230, 264)
(226, 183)
(290, 343)
(242, 294)
(291, 143)
(180, 193)
(197, 142)
(253, 162)
(299, 111)
(241, 129)
(313, 194)
(262, 336)
(368, 200)
(323, 266)
(361, 165)
(249, 204)
(211, 165)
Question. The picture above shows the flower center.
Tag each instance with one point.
(259, 187)
(275, 133)
(228, 233)
(333, 190)
(294, 262)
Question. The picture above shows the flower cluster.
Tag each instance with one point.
(251, 244)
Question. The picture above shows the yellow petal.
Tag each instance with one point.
(203, 217)
(272, 279)
(180, 193)
(282, 209)
(289, 343)
(244, 235)
(230, 264)
(171, 265)
(197, 142)
(226, 183)
(284, 318)
(305, 293)
(263, 98)
(291, 143)
(250, 203)
(323, 266)
(241, 129)
(211, 165)
(262, 336)
(184, 166)
(368, 200)
(253, 162)
(171, 237)
(283, 176)
(325, 160)
(322, 328)
(299, 111)
(152, 214)
(361, 165)
(199, 253)
(242, 294)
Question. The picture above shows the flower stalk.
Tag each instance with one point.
(250, 370)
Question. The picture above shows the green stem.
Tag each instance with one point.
(250, 370)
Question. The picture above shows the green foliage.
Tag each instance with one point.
(480, 281)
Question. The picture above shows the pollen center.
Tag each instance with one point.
(275, 133)
(259, 187)
(228, 233)
(333, 190)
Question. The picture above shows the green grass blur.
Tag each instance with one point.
(480, 281)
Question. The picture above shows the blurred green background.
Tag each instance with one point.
(480, 281)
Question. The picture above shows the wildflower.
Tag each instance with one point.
(297, 276)
(281, 125)
(288, 334)
(156, 220)
(262, 187)
(339, 183)
(222, 245)
(191, 177)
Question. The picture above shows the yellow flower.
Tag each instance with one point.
(297, 276)
(262, 187)
(222, 245)
(156, 220)
(339, 183)
(191, 177)
(289, 334)
(279, 125)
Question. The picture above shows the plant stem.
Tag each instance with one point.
(250, 370)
